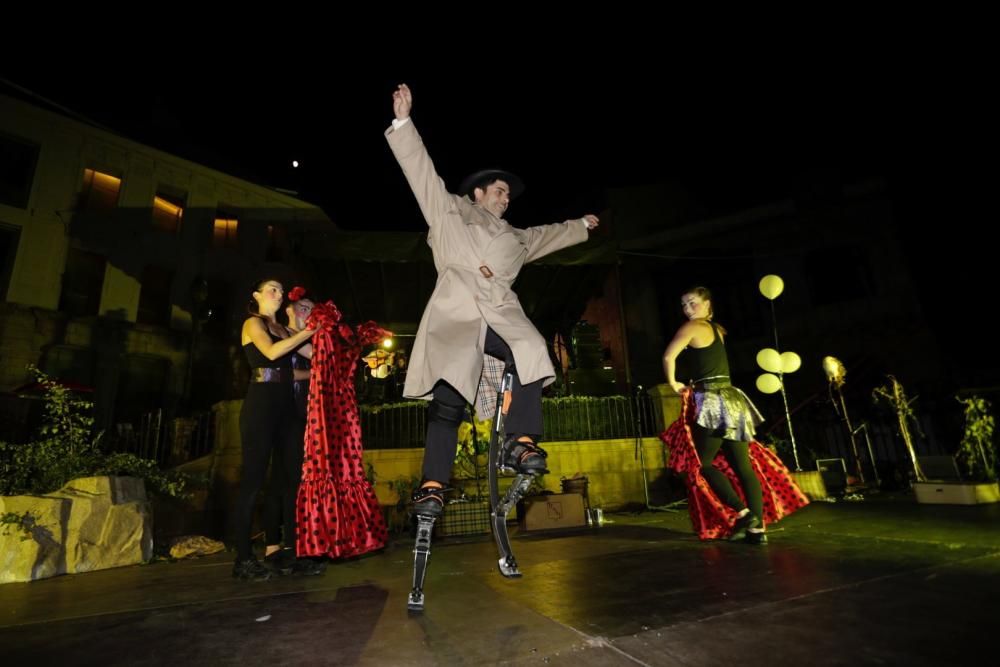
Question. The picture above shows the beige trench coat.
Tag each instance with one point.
(464, 237)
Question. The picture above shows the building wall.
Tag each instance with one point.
(67, 147)
(32, 329)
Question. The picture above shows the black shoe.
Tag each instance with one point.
(756, 538)
(279, 562)
(523, 457)
(428, 501)
(251, 570)
(284, 562)
(307, 567)
(741, 526)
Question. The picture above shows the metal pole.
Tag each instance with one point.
(788, 420)
(669, 507)
(854, 443)
(784, 397)
(871, 453)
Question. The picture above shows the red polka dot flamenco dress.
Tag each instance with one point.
(337, 511)
(710, 517)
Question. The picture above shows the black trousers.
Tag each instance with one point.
(283, 489)
(267, 424)
(524, 416)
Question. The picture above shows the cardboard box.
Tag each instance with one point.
(553, 512)
(956, 493)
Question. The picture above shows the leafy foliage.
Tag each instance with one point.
(977, 452)
(65, 450)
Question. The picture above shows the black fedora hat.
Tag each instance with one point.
(472, 181)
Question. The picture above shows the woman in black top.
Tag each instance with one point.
(268, 414)
(724, 416)
(286, 465)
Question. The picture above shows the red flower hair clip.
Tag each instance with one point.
(296, 293)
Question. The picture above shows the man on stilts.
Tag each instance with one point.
(473, 317)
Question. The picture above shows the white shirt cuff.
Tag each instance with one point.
(397, 123)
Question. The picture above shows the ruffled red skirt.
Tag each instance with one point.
(710, 517)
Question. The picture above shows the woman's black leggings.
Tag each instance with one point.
(283, 490)
(738, 456)
(266, 423)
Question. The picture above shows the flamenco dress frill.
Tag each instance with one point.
(710, 517)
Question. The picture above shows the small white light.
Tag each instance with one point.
(295, 164)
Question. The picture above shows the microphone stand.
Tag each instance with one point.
(669, 507)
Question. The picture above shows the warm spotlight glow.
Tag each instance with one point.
(224, 232)
(167, 207)
(387, 343)
(166, 214)
(102, 180)
(100, 191)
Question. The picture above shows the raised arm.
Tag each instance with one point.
(546, 239)
(411, 154)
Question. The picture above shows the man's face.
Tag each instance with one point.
(495, 198)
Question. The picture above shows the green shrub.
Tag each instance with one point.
(65, 450)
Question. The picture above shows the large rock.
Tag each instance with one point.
(92, 523)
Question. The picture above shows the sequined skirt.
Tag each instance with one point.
(727, 412)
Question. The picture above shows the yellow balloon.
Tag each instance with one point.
(772, 286)
(769, 360)
(790, 362)
(767, 383)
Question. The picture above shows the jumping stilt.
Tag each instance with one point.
(421, 554)
(518, 488)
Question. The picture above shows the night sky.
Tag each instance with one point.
(732, 135)
(731, 139)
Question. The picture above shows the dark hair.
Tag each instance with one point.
(485, 182)
(487, 177)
